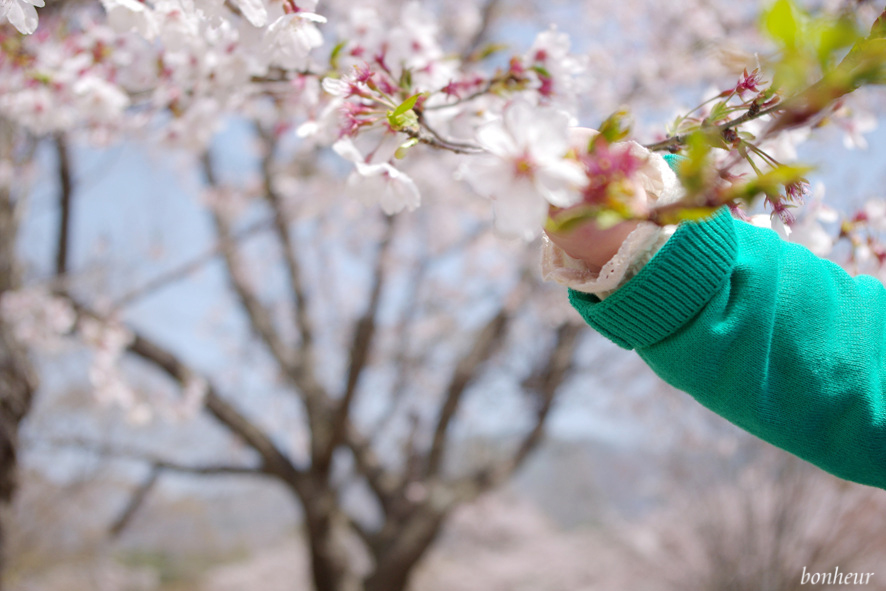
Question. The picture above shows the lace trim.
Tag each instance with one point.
(639, 247)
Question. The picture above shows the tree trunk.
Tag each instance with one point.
(330, 568)
(396, 564)
(18, 379)
(17, 384)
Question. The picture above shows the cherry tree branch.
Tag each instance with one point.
(66, 190)
(435, 140)
(544, 382)
(680, 140)
(261, 322)
(486, 342)
(177, 273)
(136, 500)
(274, 461)
(158, 467)
(383, 483)
(291, 261)
(361, 344)
(488, 15)
(258, 315)
(474, 95)
(406, 358)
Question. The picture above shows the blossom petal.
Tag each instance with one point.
(255, 11)
(496, 139)
(22, 16)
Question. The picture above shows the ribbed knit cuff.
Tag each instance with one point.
(670, 290)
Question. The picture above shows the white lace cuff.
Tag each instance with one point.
(662, 188)
(637, 250)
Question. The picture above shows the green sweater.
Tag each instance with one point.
(784, 344)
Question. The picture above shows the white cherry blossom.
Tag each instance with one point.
(526, 169)
(291, 37)
(564, 75)
(131, 15)
(99, 100)
(810, 229)
(391, 188)
(21, 14)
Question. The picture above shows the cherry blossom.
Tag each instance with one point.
(291, 37)
(526, 171)
(561, 75)
(391, 188)
(810, 229)
(21, 14)
(131, 15)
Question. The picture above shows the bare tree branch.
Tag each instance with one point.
(488, 17)
(182, 271)
(361, 344)
(486, 342)
(258, 315)
(290, 256)
(135, 502)
(544, 382)
(157, 468)
(274, 461)
(66, 191)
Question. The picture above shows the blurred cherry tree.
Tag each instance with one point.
(371, 289)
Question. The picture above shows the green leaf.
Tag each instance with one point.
(866, 63)
(832, 36)
(615, 128)
(719, 111)
(781, 21)
(403, 115)
(490, 49)
(336, 51)
(694, 171)
(406, 105)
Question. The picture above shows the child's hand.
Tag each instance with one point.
(592, 245)
(587, 242)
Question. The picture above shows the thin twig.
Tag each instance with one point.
(474, 95)
(182, 271)
(436, 141)
(679, 140)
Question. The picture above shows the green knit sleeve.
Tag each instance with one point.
(782, 343)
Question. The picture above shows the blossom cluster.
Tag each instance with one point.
(369, 84)
(366, 82)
